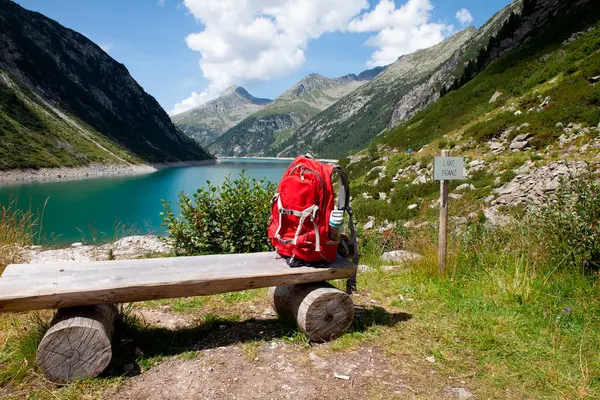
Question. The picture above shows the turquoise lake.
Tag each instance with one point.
(103, 207)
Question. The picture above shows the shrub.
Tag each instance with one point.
(230, 218)
(570, 224)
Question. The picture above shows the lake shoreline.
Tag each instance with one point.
(274, 158)
(95, 170)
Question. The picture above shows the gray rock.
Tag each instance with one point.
(77, 244)
(413, 207)
(584, 148)
(546, 102)
(364, 268)
(388, 226)
(494, 217)
(519, 145)
(317, 361)
(400, 256)
(382, 196)
(460, 220)
(370, 223)
(518, 112)
(455, 196)
(130, 247)
(497, 147)
(534, 186)
(419, 180)
(522, 137)
(495, 97)
(465, 186)
(414, 225)
(460, 393)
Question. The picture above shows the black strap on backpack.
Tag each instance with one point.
(343, 203)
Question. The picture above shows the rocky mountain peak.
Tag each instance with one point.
(60, 75)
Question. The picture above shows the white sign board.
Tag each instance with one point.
(448, 168)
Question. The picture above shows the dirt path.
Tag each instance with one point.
(249, 360)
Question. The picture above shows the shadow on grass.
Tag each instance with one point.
(137, 344)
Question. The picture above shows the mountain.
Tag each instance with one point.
(66, 102)
(526, 122)
(407, 86)
(207, 122)
(358, 117)
(257, 134)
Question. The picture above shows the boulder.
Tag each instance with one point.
(414, 225)
(370, 223)
(419, 180)
(546, 102)
(523, 137)
(494, 217)
(516, 146)
(495, 97)
(465, 186)
(401, 256)
(388, 226)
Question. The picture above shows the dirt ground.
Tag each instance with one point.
(249, 360)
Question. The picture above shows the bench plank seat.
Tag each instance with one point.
(26, 287)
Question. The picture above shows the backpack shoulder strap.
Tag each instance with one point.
(343, 203)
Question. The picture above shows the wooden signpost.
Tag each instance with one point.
(445, 169)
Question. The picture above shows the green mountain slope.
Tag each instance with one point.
(64, 101)
(207, 122)
(530, 110)
(259, 133)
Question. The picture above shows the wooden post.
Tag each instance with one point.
(443, 242)
(321, 310)
(77, 345)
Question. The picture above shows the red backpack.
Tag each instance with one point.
(299, 228)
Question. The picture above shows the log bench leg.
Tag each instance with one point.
(320, 310)
(77, 345)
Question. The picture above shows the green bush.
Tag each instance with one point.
(230, 218)
(570, 224)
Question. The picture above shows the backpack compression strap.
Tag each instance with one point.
(343, 203)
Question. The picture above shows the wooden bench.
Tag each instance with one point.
(77, 345)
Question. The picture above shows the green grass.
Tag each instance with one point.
(503, 316)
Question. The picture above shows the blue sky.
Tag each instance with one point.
(329, 37)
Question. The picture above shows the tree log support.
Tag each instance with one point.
(78, 343)
(320, 310)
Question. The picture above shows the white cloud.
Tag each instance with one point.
(464, 16)
(107, 47)
(255, 40)
(400, 30)
(160, 2)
